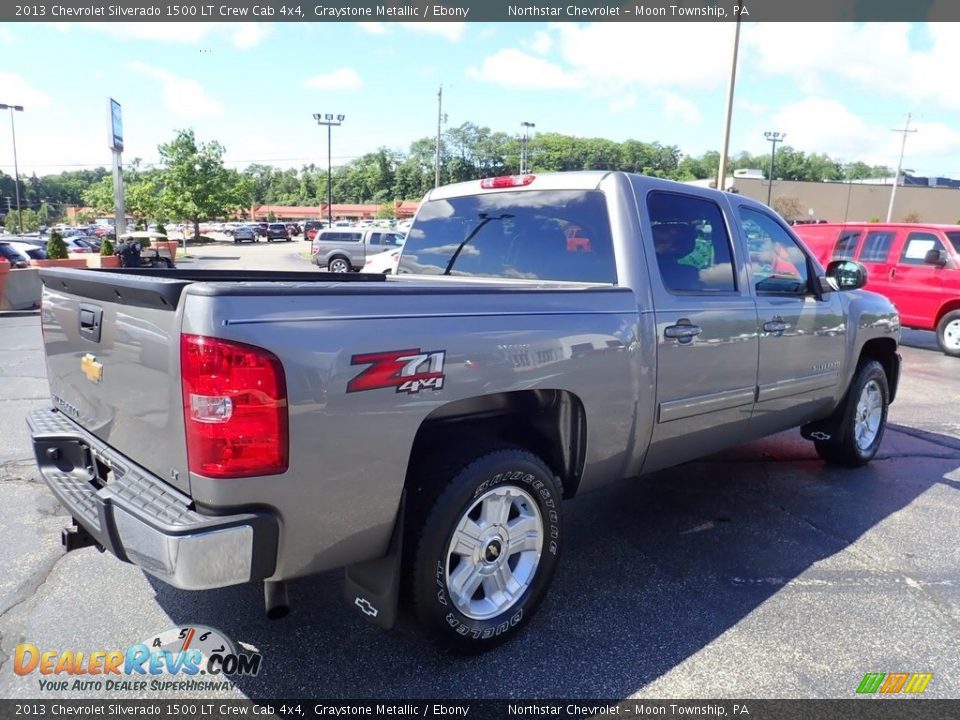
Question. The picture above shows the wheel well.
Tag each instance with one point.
(548, 423)
(884, 351)
(947, 308)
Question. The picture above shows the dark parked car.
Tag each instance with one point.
(245, 233)
(277, 231)
(262, 228)
(311, 228)
(294, 229)
(13, 256)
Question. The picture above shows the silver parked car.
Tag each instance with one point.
(245, 233)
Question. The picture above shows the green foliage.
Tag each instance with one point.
(141, 224)
(271, 216)
(196, 185)
(386, 211)
(31, 220)
(912, 217)
(106, 247)
(161, 229)
(56, 247)
(875, 219)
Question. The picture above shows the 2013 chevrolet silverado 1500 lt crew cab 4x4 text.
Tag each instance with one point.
(544, 336)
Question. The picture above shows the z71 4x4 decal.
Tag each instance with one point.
(409, 371)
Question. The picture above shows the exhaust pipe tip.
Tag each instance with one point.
(275, 599)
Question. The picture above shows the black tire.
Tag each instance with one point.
(523, 489)
(339, 264)
(849, 447)
(948, 333)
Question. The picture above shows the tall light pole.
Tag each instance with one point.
(774, 138)
(328, 120)
(16, 170)
(523, 144)
(903, 146)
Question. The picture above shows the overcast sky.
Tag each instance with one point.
(838, 89)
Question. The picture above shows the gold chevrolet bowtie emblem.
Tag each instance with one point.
(91, 368)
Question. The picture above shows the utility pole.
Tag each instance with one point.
(441, 118)
(722, 169)
(896, 180)
(524, 139)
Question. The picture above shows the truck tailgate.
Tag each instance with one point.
(112, 353)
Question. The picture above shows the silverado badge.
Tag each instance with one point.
(91, 368)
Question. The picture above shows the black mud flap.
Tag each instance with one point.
(372, 588)
(825, 430)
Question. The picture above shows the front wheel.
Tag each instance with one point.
(948, 333)
(486, 552)
(864, 417)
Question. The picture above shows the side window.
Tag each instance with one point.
(918, 245)
(375, 240)
(846, 244)
(877, 246)
(691, 242)
(777, 264)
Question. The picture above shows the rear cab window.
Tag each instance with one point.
(556, 235)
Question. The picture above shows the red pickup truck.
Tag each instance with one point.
(916, 266)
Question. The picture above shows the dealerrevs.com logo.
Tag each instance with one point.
(195, 657)
(894, 683)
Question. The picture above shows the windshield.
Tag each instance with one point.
(536, 235)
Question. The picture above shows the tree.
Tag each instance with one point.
(196, 185)
(788, 207)
(56, 247)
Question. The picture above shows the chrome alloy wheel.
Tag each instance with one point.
(494, 552)
(868, 415)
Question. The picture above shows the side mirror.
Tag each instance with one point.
(847, 274)
(935, 257)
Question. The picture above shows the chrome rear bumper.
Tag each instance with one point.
(144, 521)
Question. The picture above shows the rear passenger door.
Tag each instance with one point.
(802, 336)
(706, 329)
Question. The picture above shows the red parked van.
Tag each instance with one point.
(916, 266)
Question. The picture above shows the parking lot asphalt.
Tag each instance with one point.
(754, 573)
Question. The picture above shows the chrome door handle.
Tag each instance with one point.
(776, 326)
(684, 332)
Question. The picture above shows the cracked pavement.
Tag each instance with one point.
(757, 572)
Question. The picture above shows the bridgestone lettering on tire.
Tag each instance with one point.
(487, 550)
(863, 418)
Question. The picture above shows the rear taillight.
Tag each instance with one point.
(505, 181)
(234, 408)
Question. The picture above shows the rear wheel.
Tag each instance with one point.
(338, 265)
(948, 333)
(864, 418)
(486, 550)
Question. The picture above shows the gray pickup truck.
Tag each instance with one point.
(344, 249)
(544, 336)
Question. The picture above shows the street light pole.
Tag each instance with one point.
(16, 169)
(328, 120)
(774, 138)
(523, 145)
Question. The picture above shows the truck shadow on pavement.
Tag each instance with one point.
(653, 571)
